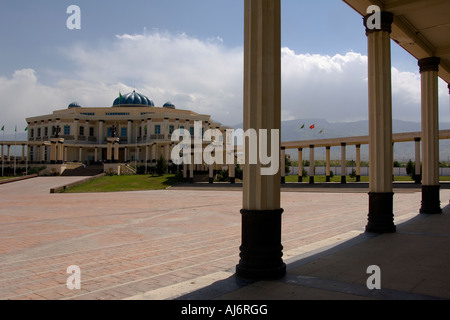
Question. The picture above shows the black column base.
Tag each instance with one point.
(327, 179)
(191, 180)
(232, 180)
(211, 180)
(261, 251)
(381, 216)
(418, 178)
(300, 179)
(431, 203)
(283, 180)
(343, 179)
(358, 178)
(311, 180)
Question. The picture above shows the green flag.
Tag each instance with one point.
(120, 98)
(3, 128)
(303, 126)
(26, 129)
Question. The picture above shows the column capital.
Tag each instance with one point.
(311, 146)
(429, 64)
(417, 139)
(387, 18)
(343, 144)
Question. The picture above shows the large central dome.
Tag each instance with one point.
(133, 99)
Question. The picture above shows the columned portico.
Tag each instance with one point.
(261, 249)
(381, 216)
(431, 203)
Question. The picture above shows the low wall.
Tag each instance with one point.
(73, 184)
(18, 179)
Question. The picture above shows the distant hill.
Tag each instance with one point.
(292, 131)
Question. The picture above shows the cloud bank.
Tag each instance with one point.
(207, 77)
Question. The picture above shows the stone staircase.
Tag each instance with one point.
(89, 171)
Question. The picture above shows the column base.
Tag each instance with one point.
(211, 180)
(327, 179)
(232, 180)
(261, 251)
(358, 178)
(300, 179)
(431, 203)
(311, 180)
(381, 216)
(343, 179)
(418, 178)
(191, 180)
(283, 180)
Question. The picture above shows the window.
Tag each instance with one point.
(32, 133)
(171, 129)
(39, 132)
(157, 129)
(91, 132)
(88, 114)
(46, 131)
(123, 132)
(81, 131)
(66, 130)
(109, 132)
(191, 131)
(117, 113)
(181, 130)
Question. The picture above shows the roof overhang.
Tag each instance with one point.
(421, 27)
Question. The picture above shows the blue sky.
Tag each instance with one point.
(189, 52)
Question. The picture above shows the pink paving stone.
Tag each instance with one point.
(133, 242)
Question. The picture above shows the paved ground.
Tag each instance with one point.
(155, 244)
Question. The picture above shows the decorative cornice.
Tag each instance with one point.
(429, 64)
(387, 18)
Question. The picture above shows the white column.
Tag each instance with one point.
(429, 68)
(358, 163)
(418, 171)
(312, 167)
(283, 165)
(261, 249)
(328, 164)
(381, 217)
(300, 165)
(101, 124)
(343, 164)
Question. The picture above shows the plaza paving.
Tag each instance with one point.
(184, 242)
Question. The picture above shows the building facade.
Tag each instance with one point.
(133, 129)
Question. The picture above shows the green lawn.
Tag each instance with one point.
(126, 183)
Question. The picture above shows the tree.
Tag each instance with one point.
(161, 166)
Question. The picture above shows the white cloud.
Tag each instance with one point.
(206, 76)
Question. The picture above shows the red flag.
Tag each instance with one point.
(312, 127)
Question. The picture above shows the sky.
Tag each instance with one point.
(190, 52)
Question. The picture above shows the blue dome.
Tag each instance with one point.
(74, 105)
(169, 105)
(134, 99)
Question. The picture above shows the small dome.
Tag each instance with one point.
(74, 105)
(133, 99)
(169, 105)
